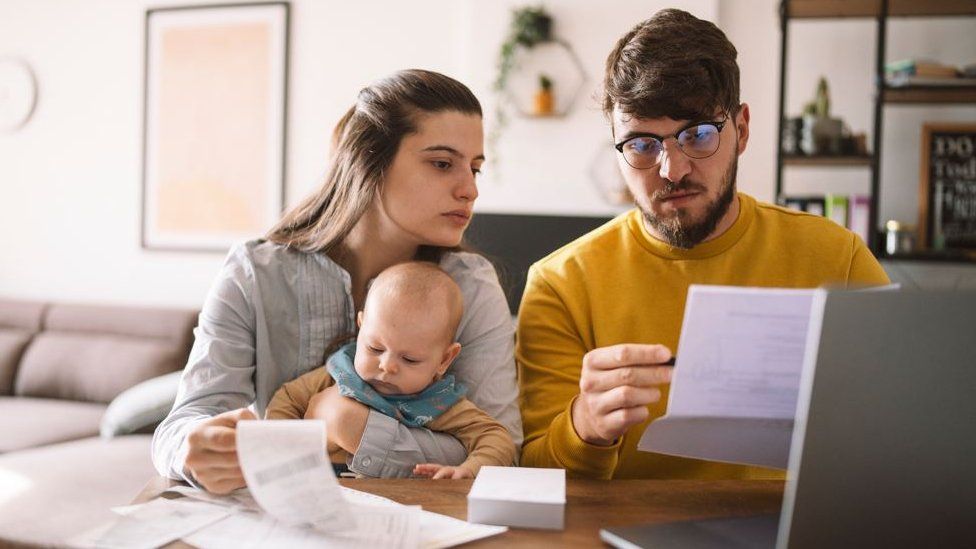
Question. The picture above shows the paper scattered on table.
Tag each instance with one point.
(239, 500)
(284, 464)
(293, 500)
(151, 524)
(357, 497)
(436, 530)
(395, 527)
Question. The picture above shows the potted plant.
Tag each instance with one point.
(544, 100)
(821, 133)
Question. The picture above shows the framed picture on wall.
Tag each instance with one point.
(214, 127)
(947, 187)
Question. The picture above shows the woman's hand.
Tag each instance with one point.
(436, 471)
(345, 418)
(212, 452)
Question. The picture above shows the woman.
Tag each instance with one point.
(401, 185)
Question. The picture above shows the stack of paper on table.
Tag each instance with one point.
(518, 496)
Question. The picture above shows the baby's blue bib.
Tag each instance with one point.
(416, 410)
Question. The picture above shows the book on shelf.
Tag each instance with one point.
(921, 67)
(859, 215)
(851, 211)
(902, 81)
(809, 204)
(835, 208)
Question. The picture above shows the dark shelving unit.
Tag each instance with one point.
(880, 11)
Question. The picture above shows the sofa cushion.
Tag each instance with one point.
(92, 367)
(25, 315)
(94, 353)
(29, 422)
(140, 408)
(174, 325)
(19, 320)
(12, 345)
(51, 494)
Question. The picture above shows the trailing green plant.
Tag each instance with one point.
(530, 25)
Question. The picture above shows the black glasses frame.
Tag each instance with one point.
(717, 124)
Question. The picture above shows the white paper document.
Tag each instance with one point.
(151, 524)
(736, 380)
(238, 500)
(436, 530)
(284, 464)
(293, 500)
(394, 527)
(740, 352)
(382, 523)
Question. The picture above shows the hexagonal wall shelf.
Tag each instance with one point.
(554, 59)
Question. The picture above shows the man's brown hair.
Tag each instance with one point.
(672, 65)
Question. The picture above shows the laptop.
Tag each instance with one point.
(884, 443)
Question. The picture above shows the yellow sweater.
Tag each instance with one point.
(618, 284)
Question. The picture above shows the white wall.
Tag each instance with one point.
(544, 164)
(70, 180)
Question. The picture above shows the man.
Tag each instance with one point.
(601, 316)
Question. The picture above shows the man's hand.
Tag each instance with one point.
(212, 452)
(436, 471)
(616, 385)
(345, 418)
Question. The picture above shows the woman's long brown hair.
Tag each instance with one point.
(364, 143)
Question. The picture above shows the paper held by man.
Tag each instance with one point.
(736, 379)
(737, 375)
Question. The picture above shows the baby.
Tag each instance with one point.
(397, 366)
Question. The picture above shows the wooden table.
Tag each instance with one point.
(590, 504)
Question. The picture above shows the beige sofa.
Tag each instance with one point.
(81, 388)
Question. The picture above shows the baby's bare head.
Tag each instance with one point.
(419, 293)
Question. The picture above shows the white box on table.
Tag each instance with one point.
(518, 496)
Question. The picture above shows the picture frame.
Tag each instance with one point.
(947, 187)
(215, 112)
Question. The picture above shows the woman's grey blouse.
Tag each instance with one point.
(268, 319)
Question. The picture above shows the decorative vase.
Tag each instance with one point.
(544, 101)
(822, 135)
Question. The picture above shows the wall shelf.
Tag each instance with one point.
(820, 9)
(936, 256)
(827, 161)
(929, 94)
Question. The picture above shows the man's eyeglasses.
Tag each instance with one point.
(697, 140)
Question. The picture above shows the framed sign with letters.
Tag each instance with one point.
(947, 187)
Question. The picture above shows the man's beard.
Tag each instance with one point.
(679, 231)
